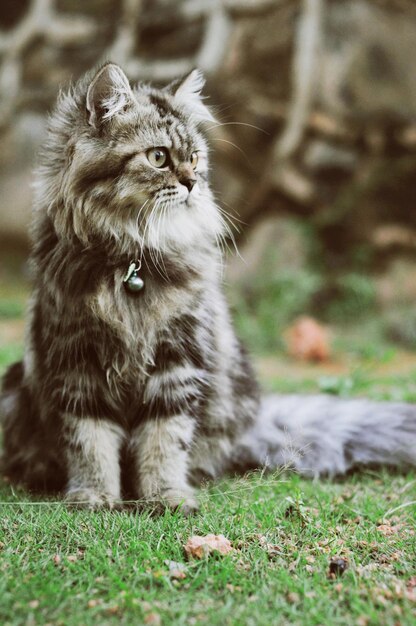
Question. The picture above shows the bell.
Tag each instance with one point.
(134, 283)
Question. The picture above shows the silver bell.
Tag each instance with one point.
(134, 283)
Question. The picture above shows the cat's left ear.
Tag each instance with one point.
(109, 93)
(187, 93)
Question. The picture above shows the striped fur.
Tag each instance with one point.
(147, 394)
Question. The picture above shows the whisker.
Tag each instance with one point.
(161, 218)
(229, 234)
(234, 146)
(141, 236)
(145, 231)
(232, 213)
(230, 220)
(153, 252)
(220, 124)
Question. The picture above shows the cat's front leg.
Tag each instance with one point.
(92, 449)
(160, 447)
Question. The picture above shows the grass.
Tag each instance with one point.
(67, 567)
(60, 566)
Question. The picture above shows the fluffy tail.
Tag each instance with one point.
(322, 435)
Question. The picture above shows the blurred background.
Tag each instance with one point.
(315, 160)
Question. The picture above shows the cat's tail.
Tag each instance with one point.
(324, 435)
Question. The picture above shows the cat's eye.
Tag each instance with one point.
(194, 159)
(158, 157)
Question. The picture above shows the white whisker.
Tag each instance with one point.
(220, 124)
(234, 146)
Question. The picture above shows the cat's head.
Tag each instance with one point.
(130, 165)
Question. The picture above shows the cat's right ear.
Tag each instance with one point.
(187, 93)
(109, 93)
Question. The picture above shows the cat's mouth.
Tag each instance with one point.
(169, 199)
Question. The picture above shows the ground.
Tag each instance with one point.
(68, 567)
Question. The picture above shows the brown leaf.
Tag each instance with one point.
(34, 604)
(411, 589)
(307, 340)
(293, 597)
(153, 618)
(388, 529)
(93, 603)
(411, 583)
(197, 546)
(113, 610)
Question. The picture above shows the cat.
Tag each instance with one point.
(133, 382)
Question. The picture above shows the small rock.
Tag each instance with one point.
(337, 567)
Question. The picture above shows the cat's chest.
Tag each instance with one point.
(135, 319)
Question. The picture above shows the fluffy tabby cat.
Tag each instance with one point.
(124, 390)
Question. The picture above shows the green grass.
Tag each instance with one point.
(360, 381)
(61, 566)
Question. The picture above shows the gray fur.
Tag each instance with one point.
(322, 435)
(142, 396)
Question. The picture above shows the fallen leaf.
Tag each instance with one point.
(411, 589)
(113, 610)
(411, 583)
(307, 340)
(57, 559)
(152, 618)
(34, 604)
(293, 597)
(198, 547)
(92, 603)
(388, 529)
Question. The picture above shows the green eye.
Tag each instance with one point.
(194, 159)
(158, 157)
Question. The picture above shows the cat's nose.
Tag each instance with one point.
(188, 182)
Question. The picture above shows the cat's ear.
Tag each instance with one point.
(187, 93)
(109, 93)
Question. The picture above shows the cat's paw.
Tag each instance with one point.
(89, 499)
(185, 502)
